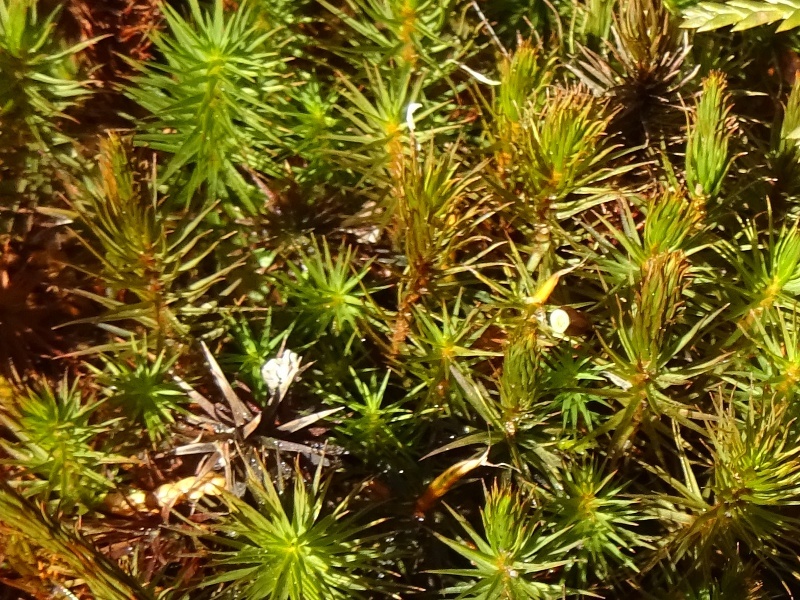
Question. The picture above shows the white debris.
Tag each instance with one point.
(617, 380)
(559, 321)
(370, 236)
(479, 76)
(279, 372)
(412, 108)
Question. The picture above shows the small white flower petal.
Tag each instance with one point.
(479, 76)
(412, 108)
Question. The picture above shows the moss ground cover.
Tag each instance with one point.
(321, 299)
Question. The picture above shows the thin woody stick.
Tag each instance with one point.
(486, 24)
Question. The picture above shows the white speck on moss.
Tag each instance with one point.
(559, 321)
(479, 76)
(279, 372)
(412, 108)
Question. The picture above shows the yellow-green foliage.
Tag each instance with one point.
(326, 299)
